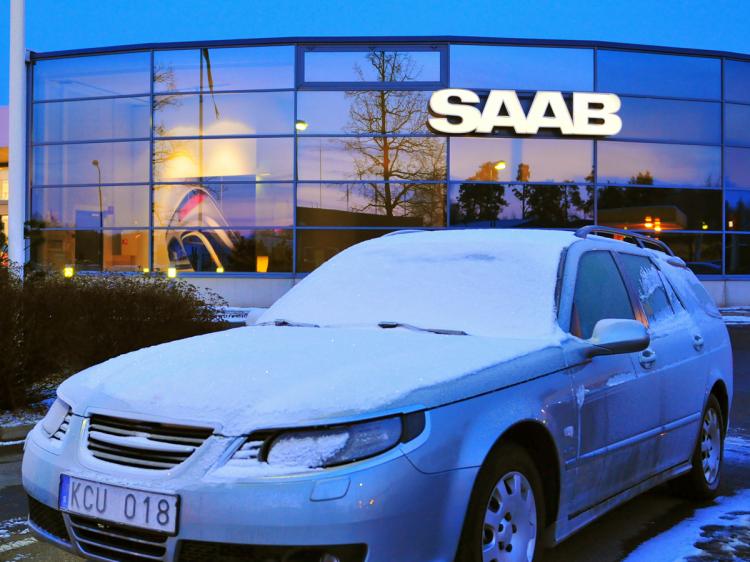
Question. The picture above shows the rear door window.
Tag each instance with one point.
(599, 293)
(647, 281)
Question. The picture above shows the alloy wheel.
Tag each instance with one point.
(711, 446)
(510, 521)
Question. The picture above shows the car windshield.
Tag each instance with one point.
(481, 282)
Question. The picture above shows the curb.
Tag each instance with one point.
(16, 432)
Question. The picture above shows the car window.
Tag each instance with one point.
(674, 296)
(647, 281)
(599, 293)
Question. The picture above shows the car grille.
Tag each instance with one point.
(198, 551)
(47, 519)
(117, 542)
(63, 429)
(141, 444)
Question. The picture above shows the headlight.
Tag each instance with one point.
(55, 422)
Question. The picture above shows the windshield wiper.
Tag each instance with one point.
(282, 322)
(442, 332)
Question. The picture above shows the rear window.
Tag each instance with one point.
(648, 282)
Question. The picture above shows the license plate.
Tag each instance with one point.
(136, 508)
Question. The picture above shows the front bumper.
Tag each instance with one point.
(396, 511)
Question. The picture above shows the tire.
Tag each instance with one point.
(506, 510)
(702, 482)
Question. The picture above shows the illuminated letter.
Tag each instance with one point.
(441, 108)
(608, 105)
(491, 117)
(537, 119)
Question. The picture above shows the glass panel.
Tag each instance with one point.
(737, 167)
(737, 81)
(672, 209)
(317, 246)
(654, 74)
(3, 184)
(738, 254)
(651, 292)
(659, 164)
(97, 163)
(92, 76)
(482, 205)
(260, 251)
(702, 252)
(122, 250)
(364, 158)
(672, 120)
(737, 203)
(522, 68)
(82, 208)
(223, 204)
(224, 114)
(363, 112)
(599, 294)
(114, 118)
(372, 66)
(737, 124)
(371, 204)
(214, 70)
(230, 159)
(505, 159)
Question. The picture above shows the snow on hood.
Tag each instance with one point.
(265, 376)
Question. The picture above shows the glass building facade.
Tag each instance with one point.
(266, 159)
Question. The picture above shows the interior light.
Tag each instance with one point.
(704, 226)
(300, 124)
(146, 270)
(171, 272)
(730, 224)
(219, 269)
(261, 264)
(501, 165)
(68, 271)
(648, 222)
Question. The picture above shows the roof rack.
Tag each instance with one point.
(640, 240)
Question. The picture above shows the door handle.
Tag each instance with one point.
(647, 358)
(698, 342)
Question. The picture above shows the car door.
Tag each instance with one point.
(675, 359)
(614, 404)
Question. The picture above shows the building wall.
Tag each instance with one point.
(244, 167)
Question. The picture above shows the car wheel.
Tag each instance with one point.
(702, 482)
(505, 518)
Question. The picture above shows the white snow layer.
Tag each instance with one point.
(484, 282)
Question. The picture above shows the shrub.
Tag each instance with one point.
(56, 326)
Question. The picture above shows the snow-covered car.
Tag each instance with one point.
(425, 396)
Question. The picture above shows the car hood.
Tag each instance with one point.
(267, 376)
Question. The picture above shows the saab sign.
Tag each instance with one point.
(455, 112)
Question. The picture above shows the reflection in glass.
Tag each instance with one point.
(92, 76)
(114, 118)
(482, 205)
(737, 124)
(223, 204)
(737, 209)
(659, 164)
(737, 167)
(624, 72)
(259, 251)
(314, 247)
(224, 114)
(96, 164)
(371, 159)
(90, 250)
(214, 70)
(83, 208)
(643, 208)
(671, 120)
(264, 159)
(738, 254)
(701, 252)
(363, 112)
(372, 66)
(522, 68)
(737, 81)
(364, 204)
(537, 160)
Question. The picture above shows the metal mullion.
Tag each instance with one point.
(225, 137)
(64, 185)
(151, 238)
(224, 182)
(295, 177)
(91, 98)
(92, 141)
(219, 92)
(722, 63)
(595, 145)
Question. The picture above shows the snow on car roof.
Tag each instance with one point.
(483, 282)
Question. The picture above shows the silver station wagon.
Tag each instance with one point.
(424, 396)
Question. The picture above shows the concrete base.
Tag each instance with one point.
(245, 291)
(729, 292)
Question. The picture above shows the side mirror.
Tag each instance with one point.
(612, 336)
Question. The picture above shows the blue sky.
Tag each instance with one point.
(71, 24)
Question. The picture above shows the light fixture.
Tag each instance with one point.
(68, 271)
(501, 165)
(300, 124)
(219, 269)
(704, 226)
(730, 224)
(657, 224)
(648, 222)
(171, 272)
(261, 264)
(146, 270)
